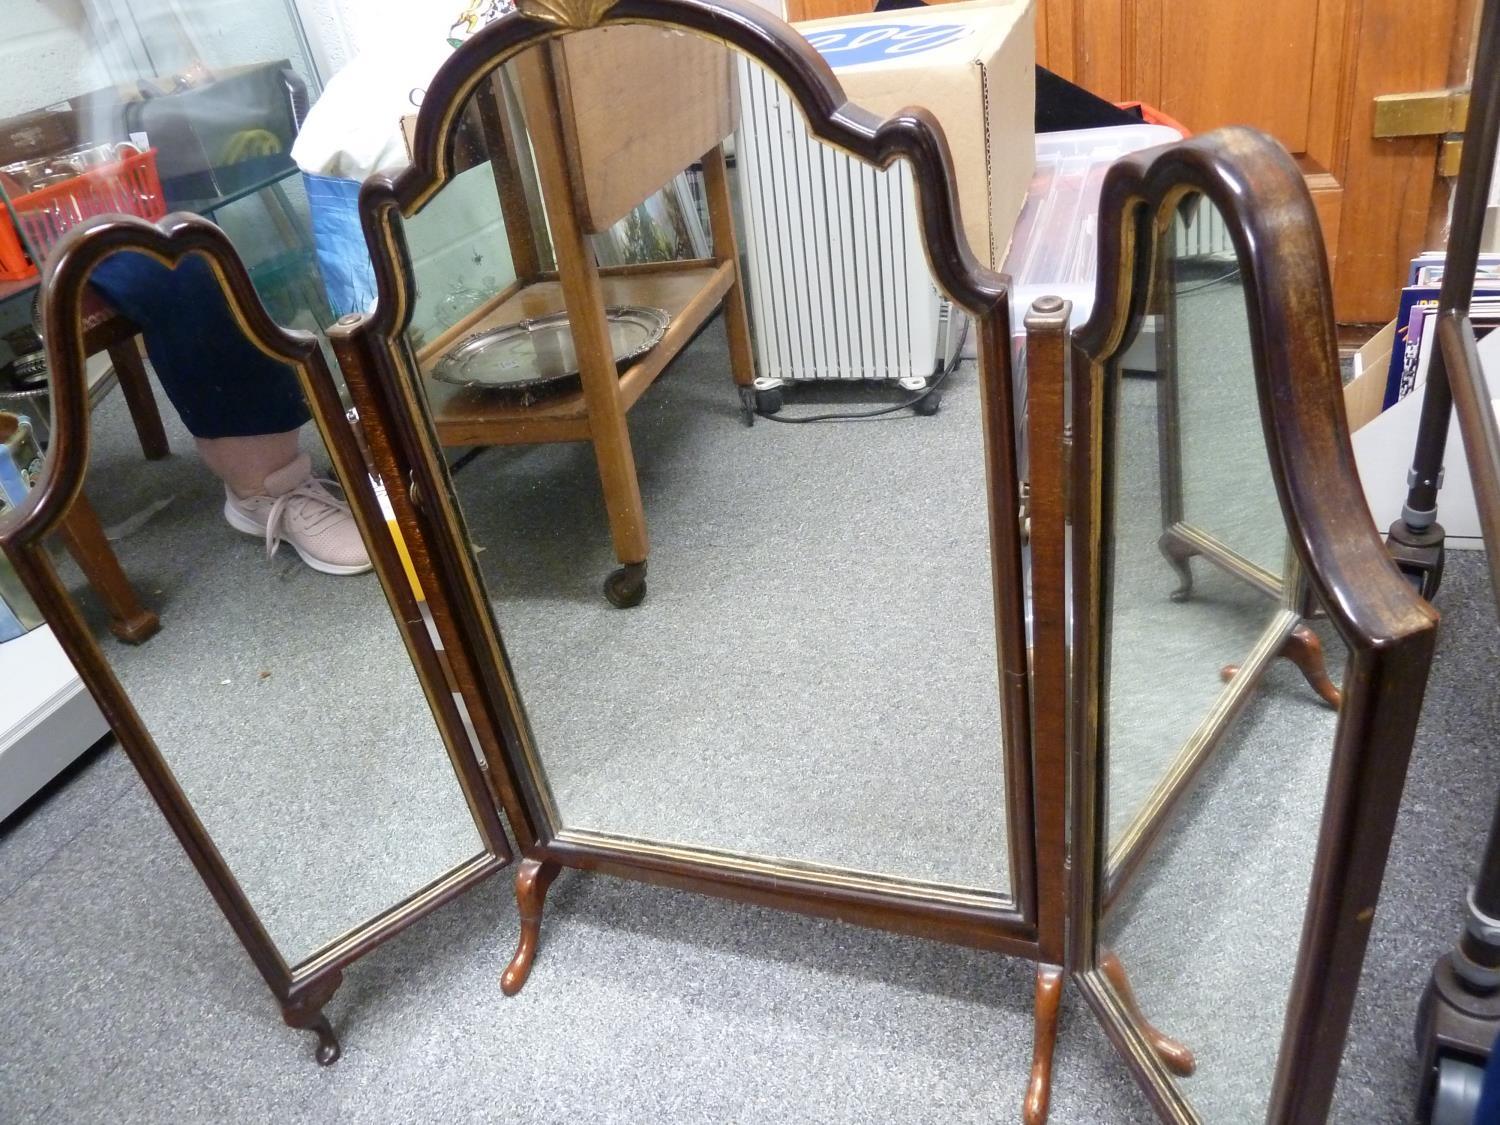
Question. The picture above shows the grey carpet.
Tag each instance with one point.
(128, 1000)
(812, 674)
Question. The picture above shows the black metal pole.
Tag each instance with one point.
(1457, 289)
(1460, 1011)
(1480, 944)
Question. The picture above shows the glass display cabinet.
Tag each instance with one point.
(146, 107)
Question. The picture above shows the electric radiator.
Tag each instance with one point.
(1208, 237)
(838, 281)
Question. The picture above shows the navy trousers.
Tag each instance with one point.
(220, 384)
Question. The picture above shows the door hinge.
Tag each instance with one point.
(1450, 152)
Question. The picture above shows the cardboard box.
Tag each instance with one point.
(973, 66)
(1386, 440)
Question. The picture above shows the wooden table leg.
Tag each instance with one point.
(84, 538)
(1049, 986)
(135, 385)
(584, 300)
(727, 249)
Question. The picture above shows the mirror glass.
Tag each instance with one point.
(278, 687)
(811, 678)
(1202, 357)
(1214, 781)
(1187, 436)
(25, 427)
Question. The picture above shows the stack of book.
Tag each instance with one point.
(1412, 351)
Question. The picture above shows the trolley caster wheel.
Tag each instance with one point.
(929, 404)
(1456, 1098)
(1419, 555)
(747, 406)
(768, 402)
(626, 587)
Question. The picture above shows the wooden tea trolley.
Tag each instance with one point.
(605, 135)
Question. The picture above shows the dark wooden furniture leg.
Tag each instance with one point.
(84, 538)
(136, 387)
(1049, 987)
(1303, 649)
(1177, 1058)
(1177, 553)
(532, 881)
(306, 1014)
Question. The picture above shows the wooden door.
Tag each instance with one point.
(1308, 74)
(1305, 71)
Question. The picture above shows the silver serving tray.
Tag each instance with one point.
(534, 359)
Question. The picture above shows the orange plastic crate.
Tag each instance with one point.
(130, 186)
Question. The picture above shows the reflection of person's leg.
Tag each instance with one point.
(244, 408)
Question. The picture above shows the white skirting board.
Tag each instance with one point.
(47, 718)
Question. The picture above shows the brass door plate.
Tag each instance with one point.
(1425, 114)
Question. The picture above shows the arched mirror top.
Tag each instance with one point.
(1269, 216)
(912, 134)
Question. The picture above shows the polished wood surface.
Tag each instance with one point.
(639, 105)
(1049, 446)
(82, 534)
(533, 878)
(727, 253)
(1174, 1056)
(1389, 630)
(1303, 649)
(1305, 73)
(301, 989)
(689, 294)
(125, 355)
(505, 149)
(578, 277)
(1049, 990)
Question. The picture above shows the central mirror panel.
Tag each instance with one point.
(804, 673)
(1216, 751)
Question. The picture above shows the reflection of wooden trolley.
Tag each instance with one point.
(611, 116)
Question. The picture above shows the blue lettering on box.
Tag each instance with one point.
(873, 42)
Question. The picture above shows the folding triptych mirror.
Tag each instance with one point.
(654, 641)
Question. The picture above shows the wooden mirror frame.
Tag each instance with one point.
(385, 382)
(1389, 631)
(303, 988)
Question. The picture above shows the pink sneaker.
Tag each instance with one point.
(298, 508)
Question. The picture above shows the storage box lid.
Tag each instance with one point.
(941, 36)
(1056, 245)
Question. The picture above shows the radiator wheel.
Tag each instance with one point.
(768, 401)
(929, 404)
